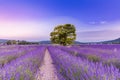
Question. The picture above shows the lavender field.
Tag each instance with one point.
(77, 62)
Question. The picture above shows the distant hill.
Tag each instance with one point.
(45, 42)
(3, 40)
(77, 42)
(115, 41)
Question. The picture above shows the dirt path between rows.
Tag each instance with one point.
(47, 70)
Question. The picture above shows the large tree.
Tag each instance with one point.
(63, 34)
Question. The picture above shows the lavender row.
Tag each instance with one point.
(18, 51)
(24, 67)
(5, 49)
(103, 46)
(95, 55)
(75, 68)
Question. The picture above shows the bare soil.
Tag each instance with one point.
(47, 70)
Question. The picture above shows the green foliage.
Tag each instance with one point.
(10, 42)
(93, 58)
(12, 78)
(63, 34)
(30, 74)
(21, 77)
(13, 42)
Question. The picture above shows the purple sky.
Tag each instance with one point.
(95, 20)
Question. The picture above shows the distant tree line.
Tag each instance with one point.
(18, 42)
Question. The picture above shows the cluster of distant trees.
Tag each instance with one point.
(13, 42)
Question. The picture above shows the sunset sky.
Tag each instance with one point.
(33, 20)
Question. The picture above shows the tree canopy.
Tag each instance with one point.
(63, 34)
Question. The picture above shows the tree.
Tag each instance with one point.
(9, 42)
(63, 34)
(14, 42)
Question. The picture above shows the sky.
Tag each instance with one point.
(33, 20)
